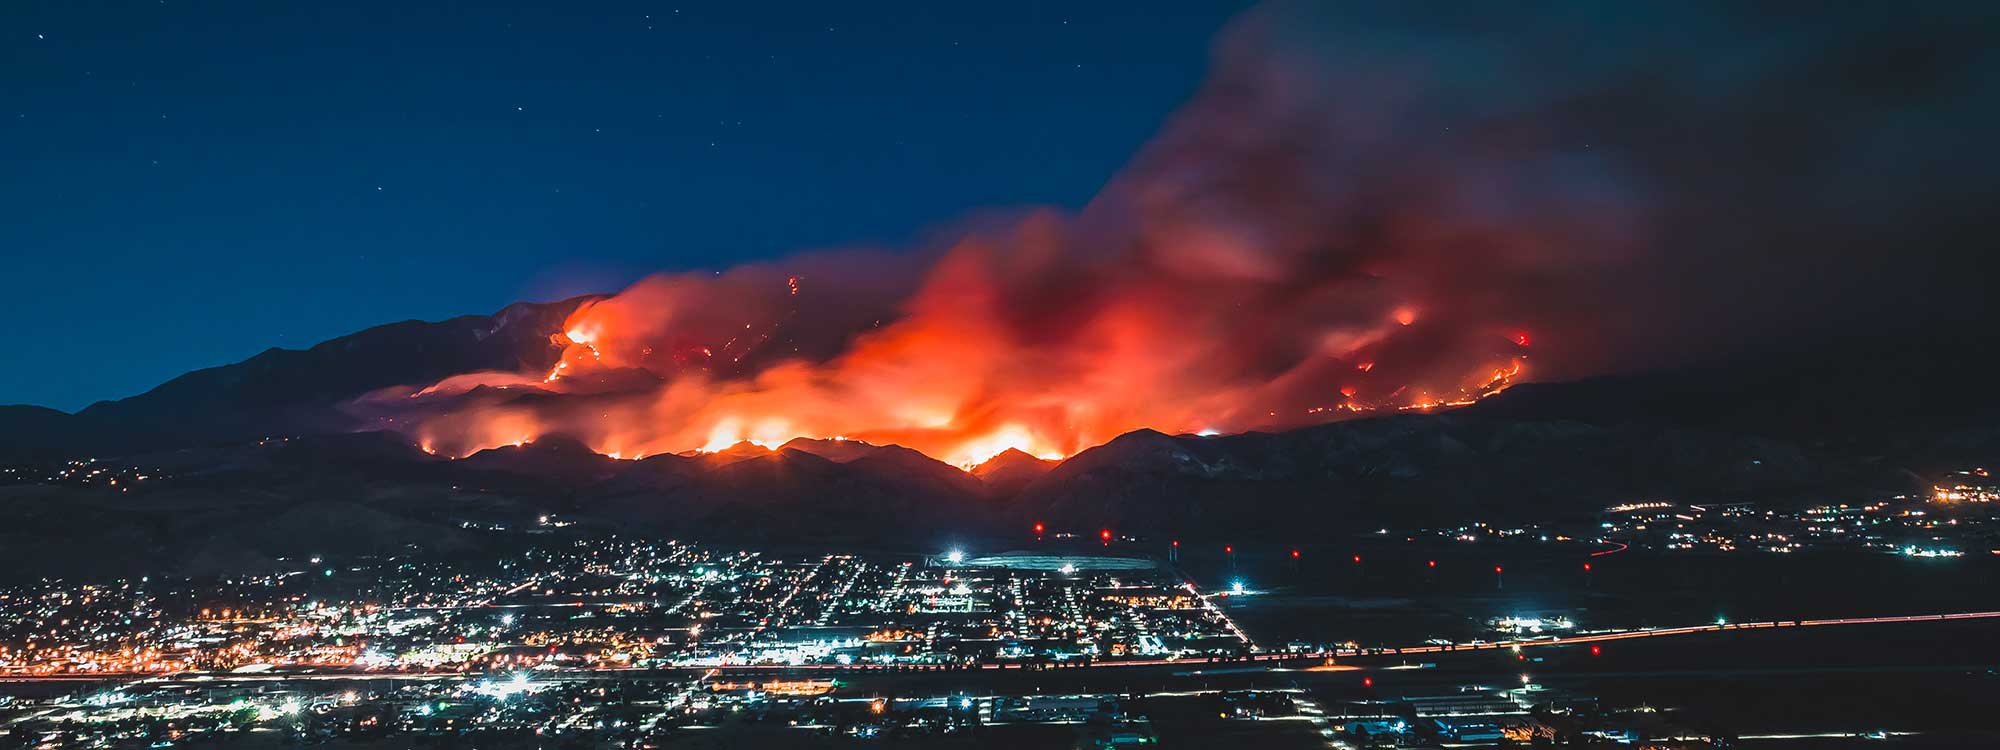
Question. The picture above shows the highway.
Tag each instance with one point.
(1290, 656)
(1659, 633)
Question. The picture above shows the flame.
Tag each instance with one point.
(768, 433)
(1222, 282)
(579, 340)
(981, 449)
(949, 379)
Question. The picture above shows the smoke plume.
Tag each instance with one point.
(1389, 206)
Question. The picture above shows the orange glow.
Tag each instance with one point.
(1217, 284)
(949, 378)
(1332, 668)
(979, 449)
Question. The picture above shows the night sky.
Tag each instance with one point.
(1642, 186)
(190, 183)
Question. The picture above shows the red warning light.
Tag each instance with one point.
(1357, 558)
(1039, 528)
(1295, 554)
(1496, 568)
(1229, 550)
(1586, 567)
(1596, 650)
(1434, 563)
(1104, 534)
(1368, 682)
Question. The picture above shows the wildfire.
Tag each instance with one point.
(1015, 437)
(579, 341)
(935, 382)
(1221, 282)
(767, 434)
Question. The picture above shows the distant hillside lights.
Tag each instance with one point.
(1530, 624)
(1631, 507)
(1915, 551)
(1967, 489)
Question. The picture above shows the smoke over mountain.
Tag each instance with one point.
(1389, 207)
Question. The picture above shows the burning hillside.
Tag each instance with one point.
(1329, 227)
(1280, 255)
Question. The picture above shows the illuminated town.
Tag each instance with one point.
(643, 642)
(1951, 521)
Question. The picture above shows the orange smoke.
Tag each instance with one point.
(1273, 259)
(966, 369)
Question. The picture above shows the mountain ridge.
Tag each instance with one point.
(291, 391)
(239, 479)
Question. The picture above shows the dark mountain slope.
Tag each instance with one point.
(1005, 474)
(284, 391)
(1423, 469)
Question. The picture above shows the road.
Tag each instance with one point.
(1427, 648)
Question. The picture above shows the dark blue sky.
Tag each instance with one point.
(190, 183)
